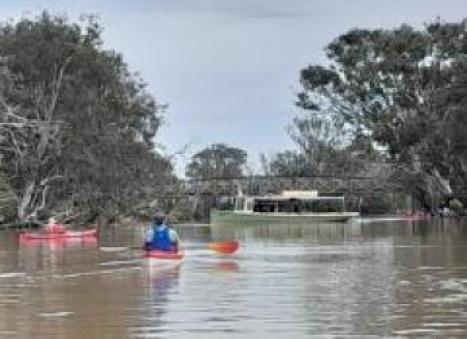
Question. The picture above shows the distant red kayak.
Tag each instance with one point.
(164, 255)
(65, 235)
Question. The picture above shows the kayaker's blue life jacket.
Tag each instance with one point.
(161, 239)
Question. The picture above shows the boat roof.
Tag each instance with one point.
(282, 198)
(295, 195)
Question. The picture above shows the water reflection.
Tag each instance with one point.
(275, 232)
(162, 284)
(161, 281)
(59, 244)
(168, 309)
(227, 266)
(34, 254)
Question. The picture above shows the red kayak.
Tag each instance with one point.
(54, 236)
(164, 255)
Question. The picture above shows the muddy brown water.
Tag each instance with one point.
(374, 277)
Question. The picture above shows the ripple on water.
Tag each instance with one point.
(10, 298)
(418, 331)
(113, 249)
(99, 272)
(12, 275)
(120, 262)
(453, 284)
(453, 291)
(59, 314)
(431, 268)
(147, 331)
(449, 299)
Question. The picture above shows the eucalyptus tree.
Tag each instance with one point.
(217, 161)
(286, 163)
(77, 129)
(404, 89)
(319, 142)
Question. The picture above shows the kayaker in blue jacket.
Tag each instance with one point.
(161, 237)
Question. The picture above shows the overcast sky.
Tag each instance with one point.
(229, 68)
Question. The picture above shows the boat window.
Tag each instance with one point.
(264, 206)
(325, 205)
(291, 205)
(283, 206)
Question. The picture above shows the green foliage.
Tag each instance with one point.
(88, 122)
(374, 204)
(324, 149)
(217, 161)
(456, 206)
(287, 163)
(404, 89)
(7, 200)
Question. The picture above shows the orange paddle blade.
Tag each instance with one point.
(224, 246)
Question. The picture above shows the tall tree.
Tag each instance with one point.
(77, 128)
(7, 200)
(218, 160)
(319, 141)
(401, 88)
(287, 163)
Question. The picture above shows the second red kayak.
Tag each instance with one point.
(65, 235)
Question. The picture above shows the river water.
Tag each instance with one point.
(369, 277)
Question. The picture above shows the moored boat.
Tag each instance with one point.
(287, 207)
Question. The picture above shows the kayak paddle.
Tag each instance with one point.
(222, 247)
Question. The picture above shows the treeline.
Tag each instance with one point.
(389, 104)
(77, 129)
(403, 90)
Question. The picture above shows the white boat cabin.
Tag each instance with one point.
(290, 202)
